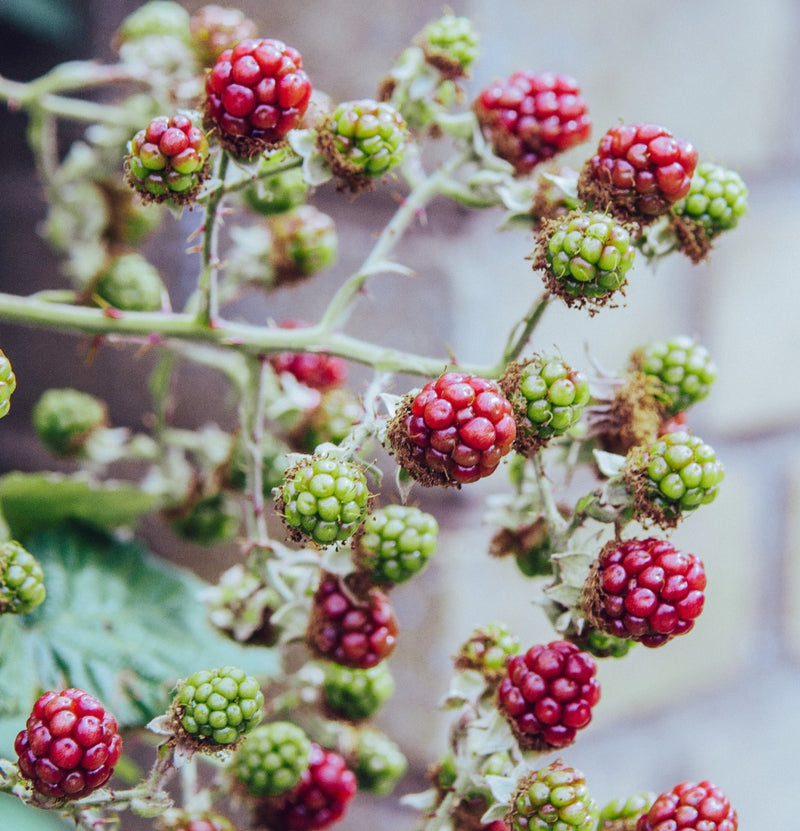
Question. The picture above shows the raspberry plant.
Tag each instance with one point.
(314, 484)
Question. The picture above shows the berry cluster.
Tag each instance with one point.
(450, 44)
(131, 284)
(22, 586)
(357, 694)
(8, 383)
(717, 199)
(314, 369)
(273, 758)
(690, 806)
(64, 419)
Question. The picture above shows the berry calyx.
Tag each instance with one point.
(273, 758)
(69, 746)
(690, 806)
(677, 473)
(646, 590)
(64, 419)
(357, 694)
(584, 257)
(548, 397)
(22, 586)
(455, 431)
(395, 543)
(554, 798)
(8, 383)
(323, 499)
(217, 707)
(351, 627)
(683, 369)
(256, 93)
(362, 140)
(639, 171)
(131, 283)
(530, 117)
(450, 44)
(548, 694)
(314, 369)
(318, 800)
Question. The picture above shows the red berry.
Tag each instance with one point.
(690, 807)
(314, 369)
(548, 694)
(318, 800)
(353, 629)
(645, 590)
(69, 746)
(256, 93)
(531, 117)
(639, 169)
(455, 431)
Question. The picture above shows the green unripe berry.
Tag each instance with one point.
(8, 383)
(276, 194)
(450, 44)
(356, 693)
(629, 809)
(22, 586)
(717, 199)
(554, 798)
(156, 17)
(304, 242)
(212, 520)
(273, 758)
(488, 650)
(65, 418)
(218, 706)
(379, 763)
(131, 284)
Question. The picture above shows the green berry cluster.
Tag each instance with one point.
(548, 397)
(379, 762)
(356, 693)
(450, 44)
(275, 194)
(624, 813)
(65, 418)
(273, 758)
(554, 798)
(8, 383)
(396, 543)
(488, 650)
(324, 499)
(218, 706)
(22, 586)
(717, 198)
(304, 242)
(210, 520)
(131, 284)
(586, 257)
(683, 368)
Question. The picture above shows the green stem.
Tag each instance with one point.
(556, 524)
(518, 340)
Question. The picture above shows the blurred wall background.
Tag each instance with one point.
(722, 705)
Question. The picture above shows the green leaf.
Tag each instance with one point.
(30, 501)
(117, 622)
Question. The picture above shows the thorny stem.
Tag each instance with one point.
(255, 440)
(556, 524)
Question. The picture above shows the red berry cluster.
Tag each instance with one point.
(456, 430)
(548, 694)
(318, 800)
(355, 630)
(69, 746)
(646, 590)
(314, 369)
(531, 117)
(638, 168)
(256, 93)
(690, 806)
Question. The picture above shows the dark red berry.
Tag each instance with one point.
(355, 629)
(317, 801)
(548, 694)
(690, 806)
(69, 746)
(314, 369)
(455, 431)
(529, 117)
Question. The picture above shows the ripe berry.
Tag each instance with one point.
(683, 368)
(22, 586)
(323, 499)
(548, 694)
(646, 590)
(548, 397)
(214, 29)
(355, 629)
(395, 543)
(273, 758)
(379, 762)
(638, 171)
(362, 140)
(555, 798)
(455, 431)
(677, 473)
(584, 257)
(8, 383)
(256, 93)
(69, 746)
(132, 284)
(218, 706)
(304, 242)
(64, 419)
(168, 160)
(530, 117)
(450, 44)
(690, 807)
(314, 369)
(317, 801)
(717, 199)
(356, 694)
